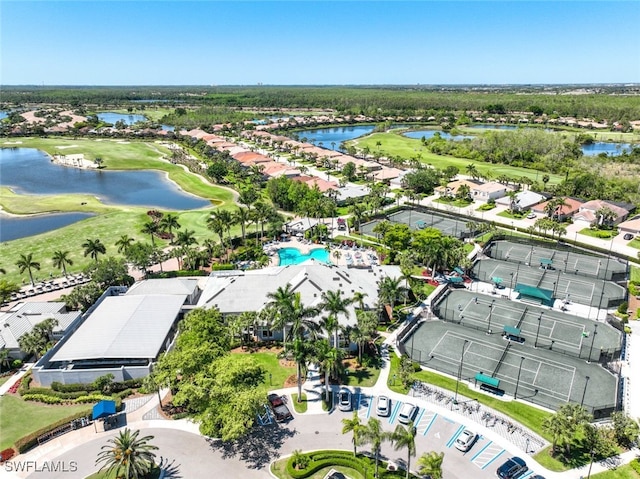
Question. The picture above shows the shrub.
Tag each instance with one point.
(92, 398)
(17, 363)
(31, 440)
(24, 385)
(42, 398)
(70, 388)
(622, 309)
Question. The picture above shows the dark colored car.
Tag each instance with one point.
(512, 469)
(628, 236)
(280, 410)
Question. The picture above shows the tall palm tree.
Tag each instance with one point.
(375, 435)
(186, 238)
(357, 210)
(430, 464)
(390, 290)
(335, 304)
(124, 243)
(281, 305)
(93, 248)
(359, 337)
(405, 437)
(150, 228)
(355, 427)
(168, 223)
(242, 218)
(61, 260)
(330, 360)
(26, 262)
(127, 455)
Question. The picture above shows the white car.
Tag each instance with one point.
(465, 440)
(531, 216)
(407, 413)
(344, 400)
(383, 406)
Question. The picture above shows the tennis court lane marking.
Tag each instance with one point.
(394, 413)
(455, 436)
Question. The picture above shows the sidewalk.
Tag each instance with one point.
(13, 379)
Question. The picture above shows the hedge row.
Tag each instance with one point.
(43, 398)
(58, 394)
(50, 399)
(361, 464)
(31, 440)
(115, 387)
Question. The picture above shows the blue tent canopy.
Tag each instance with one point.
(458, 270)
(455, 279)
(103, 409)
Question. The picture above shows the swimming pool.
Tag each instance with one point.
(294, 256)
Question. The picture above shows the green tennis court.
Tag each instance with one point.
(419, 219)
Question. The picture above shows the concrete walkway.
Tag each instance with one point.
(13, 379)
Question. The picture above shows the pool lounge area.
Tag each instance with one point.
(291, 255)
(297, 250)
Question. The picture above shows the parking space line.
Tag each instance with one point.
(433, 419)
(481, 450)
(493, 459)
(417, 421)
(455, 436)
(364, 405)
(527, 474)
(394, 413)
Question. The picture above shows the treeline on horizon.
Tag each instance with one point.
(611, 103)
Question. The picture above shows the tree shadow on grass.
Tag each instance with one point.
(258, 448)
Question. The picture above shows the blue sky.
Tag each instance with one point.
(318, 42)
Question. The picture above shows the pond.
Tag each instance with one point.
(431, 133)
(3, 114)
(30, 171)
(12, 227)
(113, 118)
(611, 149)
(330, 138)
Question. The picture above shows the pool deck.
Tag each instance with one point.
(340, 256)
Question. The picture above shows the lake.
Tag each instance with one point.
(30, 171)
(12, 227)
(113, 118)
(611, 149)
(3, 114)
(332, 137)
(431, 133)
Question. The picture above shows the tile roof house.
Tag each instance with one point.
(630, 226)
(488, 190)
(453, 186)
(561, 213)
(588, 212)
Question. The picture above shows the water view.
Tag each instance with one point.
(431, 133)
(330, 138)
(3, 114)
(611, 149)
(30, 171)
(113, 118)
(12, 227)
(294, 256)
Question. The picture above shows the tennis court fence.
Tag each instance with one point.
(525, 392)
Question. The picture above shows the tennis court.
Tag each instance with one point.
(540, 375)
(538, 326)
(416, 220)
(567, 261)
(566, 286)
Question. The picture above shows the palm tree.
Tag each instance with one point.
(330, 360)
(186, 238)
(93, 248)
(26, 262)
(150, 228)
(242, 218)
(168, 223)
(375, 435)
(335, 304)
(390, 290)
(354, 426)
(357, 210)
(124, 243)
(127, 455)
(472, 171)
(61, 260)
(430, 464)
(281, 304)
(405, 437)
(214, 223)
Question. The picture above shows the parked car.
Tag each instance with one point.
(512, 469)
(513, 337)
(344, 400)
(531, 215)
(407, 413)
(537, 476)
(280, 410)
(628, 236)
(466, 440)
(383, 406)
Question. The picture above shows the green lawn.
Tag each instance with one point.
(276, 374)
(602, 234)
(395, 144)
(635, 243)
(528, 416)
(455, 202)
(363, 377)
(635, 273)
(545, 459)
(622, 472)
(300, 407)
(19, 418)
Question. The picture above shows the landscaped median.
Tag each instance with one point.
(319, 463)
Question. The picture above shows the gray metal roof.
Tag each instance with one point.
(24, 316)
(184, 286)
(123, 327)
(239, 291)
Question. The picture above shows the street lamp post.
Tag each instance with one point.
(535, 344)
(584, 391)
(593, 338)
(490, 313)
(455, 398)
(511, 284)
(515, 394)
